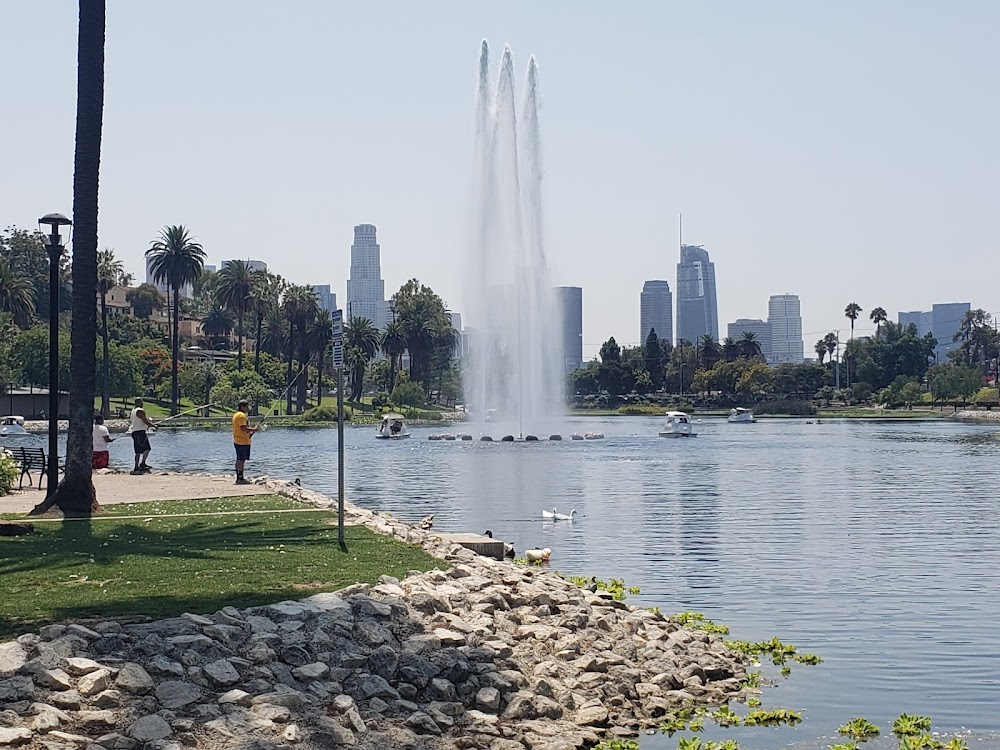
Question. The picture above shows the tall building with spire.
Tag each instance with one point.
(365, 287)
(697, 305)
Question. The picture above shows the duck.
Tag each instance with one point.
(555, 515)
(508, 549)
(592, 586)
(537, 555)
(427, 522)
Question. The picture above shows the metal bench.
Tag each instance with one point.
(29, 460)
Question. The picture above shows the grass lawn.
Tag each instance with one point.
(163, 561)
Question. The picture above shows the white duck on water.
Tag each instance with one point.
(537, 555)
(555, 515)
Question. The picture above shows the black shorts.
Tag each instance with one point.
(140, 441)
(242, 452)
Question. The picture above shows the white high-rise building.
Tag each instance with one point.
(785, 316)
(327, 298)
(365, 288)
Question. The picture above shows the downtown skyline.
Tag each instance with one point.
(843, 172)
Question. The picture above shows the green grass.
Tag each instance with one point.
(876, 414)
(151, 565)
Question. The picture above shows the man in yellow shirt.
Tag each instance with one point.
(242, 432)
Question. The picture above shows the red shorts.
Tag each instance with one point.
(99, 460)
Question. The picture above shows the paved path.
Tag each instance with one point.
(125, 488)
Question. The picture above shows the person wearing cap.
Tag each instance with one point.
(242, 432)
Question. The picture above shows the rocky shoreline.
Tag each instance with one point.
(481, 654)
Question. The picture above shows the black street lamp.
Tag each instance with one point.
(55, 248)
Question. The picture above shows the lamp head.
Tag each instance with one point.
(52, 222)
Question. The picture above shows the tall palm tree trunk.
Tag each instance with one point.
(106, 389)
(288, 371)
(256, 349)
(175, 355)
(75, 495)
(300, 389)
(239, 334)
(319, 381)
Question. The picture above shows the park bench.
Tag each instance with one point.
(29, 460)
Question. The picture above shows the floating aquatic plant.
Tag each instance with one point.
(908, 725)
(698, 621)
(776, 716)
(859, 729)
(920, 742)
(724, 716)
(618, 744)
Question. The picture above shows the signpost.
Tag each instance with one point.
(338, 366)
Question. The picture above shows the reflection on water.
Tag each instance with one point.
(873, 545)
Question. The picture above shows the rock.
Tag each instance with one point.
(366, 607)
(449, 637)
(10, 736)
(160, 664)
(47, 717)
(260, 624)
(592, 716)
(53, 679)
(12, 657)
(292, 699)
(422, 643)
(150, 728)
(17, 689)
(88, 718)
(422, 723)
(314, 671)
(67, 699)
(174, 694)
(291, 733)
(339, 734)
(488, 699)
(440, 690)
(271, 712)
(342, 703)
(197, 619)
(107, 699)
(79, 666)
(383, 662)
(51, 632)
(222, 673)
(93, 683)
(236, 696)
(354, 719)
(116, 741)
(134, 679)
(373, 686)
(82, 632)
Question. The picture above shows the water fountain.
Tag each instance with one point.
(513, 378)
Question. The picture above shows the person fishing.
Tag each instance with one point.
(138, 424)
(242, 433)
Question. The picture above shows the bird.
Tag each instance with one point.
(537, 555)
(488, 533)
(563, 516)
(297, 481)
(508, 549)
(549, 513)
(427, 522)
(592, 586)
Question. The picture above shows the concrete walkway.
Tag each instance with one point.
(115, 488)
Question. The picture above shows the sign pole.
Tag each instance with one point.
(338, 366)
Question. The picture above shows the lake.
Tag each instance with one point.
(872, 544)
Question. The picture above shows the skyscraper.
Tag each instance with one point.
(365, 288)
(656, 311)
(785, 316)
(569, 302)
(942, 321)
(327, 298)
(697, 306)
(761, 329)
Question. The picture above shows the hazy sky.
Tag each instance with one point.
(841, 151)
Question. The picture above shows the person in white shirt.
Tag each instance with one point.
(102, 437)
(140, 440)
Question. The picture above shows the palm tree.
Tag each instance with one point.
(110, 273)
(75, 496)
(361, 336)
(730, 349)
(299, 305)
(17, 294)
(217, 324)
(852, 311)
(709, 351)
(393, 345)
(419, 324)
(320, 336)
(274, 334)
(175, 259)
(820, 349)
(749, 346)
(233, 291)
(265, 291)
(832, 340)
(878, 317)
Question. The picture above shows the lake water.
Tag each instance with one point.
(872, 544)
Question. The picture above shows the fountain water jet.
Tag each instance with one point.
(513, 377)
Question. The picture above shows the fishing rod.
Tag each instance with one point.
(270, 410)
(186, 411)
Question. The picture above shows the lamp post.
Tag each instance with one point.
(55, 248)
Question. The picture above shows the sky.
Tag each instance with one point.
(840, 151)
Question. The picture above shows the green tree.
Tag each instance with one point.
(878, 317)
(653, 356)
(177, 260)
(393, 345)
(979, 339)
(610, 351)
(125, 374)
(265, 295)
(233, 291)
(299, 305)
(320, 338)
(217, 325)
(754, 380)
(948, 381)
(709, 351)
(820, 349)
(730, 349)
(749, 346)
(832, 342)
(240, 384)
(423, 316)
(30, 357)
(408, 393)
(25, 252)
(110, 273)
(361, 339)
(852, 311)
(17, 295)
(144, 299)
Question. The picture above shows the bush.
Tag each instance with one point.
(985, 394)
(8, 472)
(409, 394)
(241, 384)
(325, 414)
(381, 401)
(786, 406)
(633, 409)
